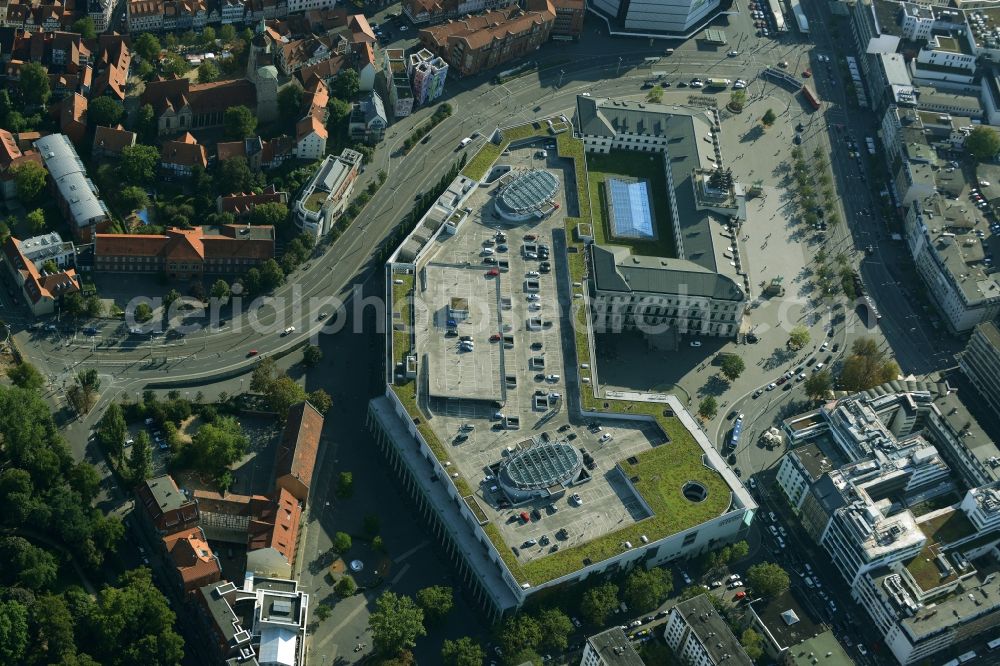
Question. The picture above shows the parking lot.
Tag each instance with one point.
(497, 379)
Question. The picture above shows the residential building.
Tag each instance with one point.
(946, 240)
(310, 132)
(397, 82)
(981, 362)
(429, 12)
(947, 58)
(11, 156)
(41, 289)
(821, 649)
(186, 253)
(194, 564)
(610, 648)
(273, 532)
(263, 621)
(368, 120)
(241, 204)
(699, 636)
(325, 197)
(100, 12)
(233, 11)
(703, 295)
(180, 156)
(938, 100)
(310, 5)
(476, 43)
(657, 17)
(428, 73)
(366, 65)
(784, 621)
(182, 106)
(110, 141)
(73, 117)
(569, 18)
(145, 16)
(258, 153)
(298, 449)
(76, 195)
(111, 70)
(164, 508)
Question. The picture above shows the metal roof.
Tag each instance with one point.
(70, 177)
(542, 466)
(528, 190)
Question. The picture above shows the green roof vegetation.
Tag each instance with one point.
(659, 475)
(401, 303)
(947, 528)
(479, 166)
(314, 202)
(925, 572)
(648, 167)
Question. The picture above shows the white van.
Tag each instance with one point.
(466, 141)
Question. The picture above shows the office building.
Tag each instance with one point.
(981, 362)
(656, 17)
(326, 195)
(610, 648)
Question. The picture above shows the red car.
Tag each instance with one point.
(781, 380)
(740, 595)
(493, 272)
(495, 337)
(525, 517)
(807, 73)
(252, 352)
(530, 237)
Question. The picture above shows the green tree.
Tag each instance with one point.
(867, 366)
(74, 305)
(290, 103)
(36, 221)
(137, 165)
(94, 306)
(53, 625)
(13, 632)
(396, 623)
(284, 393)
(235, 176)
(598, 602)
(174, 64)
(708, 407)
(220, 290)
(218, 445)
(767, 579)
(145, 124)
(208, 35)
(556, 628)
(739, 550)
(819, 384)
(753, 644)
(983, 142)
(311, 355)
(26, 565)
(85, 27)
(436, 602)
(112, 431)
(732, 366)
(737, 99)
(140, 462)
(271, 275)
(133, 197)
(147, 46)
(321, 400)
(345, 484)
(462, 652)
(227, 33)
(170, 297)
(342, 542)
(29, 180)
(345, 587)
(520, 632)
(239, 122)
(337, 119)
(269, 214)
(655, 94)
(143, 313)
(798, 337)
(769, 118)
(207, 72)
(25, 375)
(346, 85)
(33, 82)
(104, 111)
(323, 611)
(646, 589)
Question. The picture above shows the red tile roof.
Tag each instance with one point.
(37, 286)
(299, 443)
(8, 149)
(184, 151)
(200, 243)
(361, 31)
(201, 97)
(113, 139)
(193, 558)
(275, 524)
(241, 203)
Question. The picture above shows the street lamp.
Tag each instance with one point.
(562, 73)
(618, 71)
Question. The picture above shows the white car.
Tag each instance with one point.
(606, 437)
(862, 649)
(586, 94)
(735, 584)
(733, 54)
(534, 297)
(288, 331)
(772, 386)
(532, 274)
(552, 378)
(695, 343)
(740, 84)
(734, 577)
(404, 28)
(576, 499)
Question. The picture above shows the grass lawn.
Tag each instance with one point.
(638, 165)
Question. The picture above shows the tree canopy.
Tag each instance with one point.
(867, 366)
(732, 366)
(137, 164)
(598, 602)
(396, 623)
(239, 122)
(346, 85)
(218, 445)
(26, 376)
(708, 407)
(33, 82)
(29, 179)
(818, 384)
(147, 46)
(645, 589)
(436, 602)
(983, 142)
(798, 337)
(767, 579)
(104, 111)
(462, 652)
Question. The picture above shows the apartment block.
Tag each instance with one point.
(427, 75)
(325, 197)
(981, 362)
(397, 82)
(476, 43)
(699, 636)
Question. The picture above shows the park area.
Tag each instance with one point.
(629, 166)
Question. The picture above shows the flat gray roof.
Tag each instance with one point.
(617, 269)
(713, 632)
(70, 177)
(614, 648)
